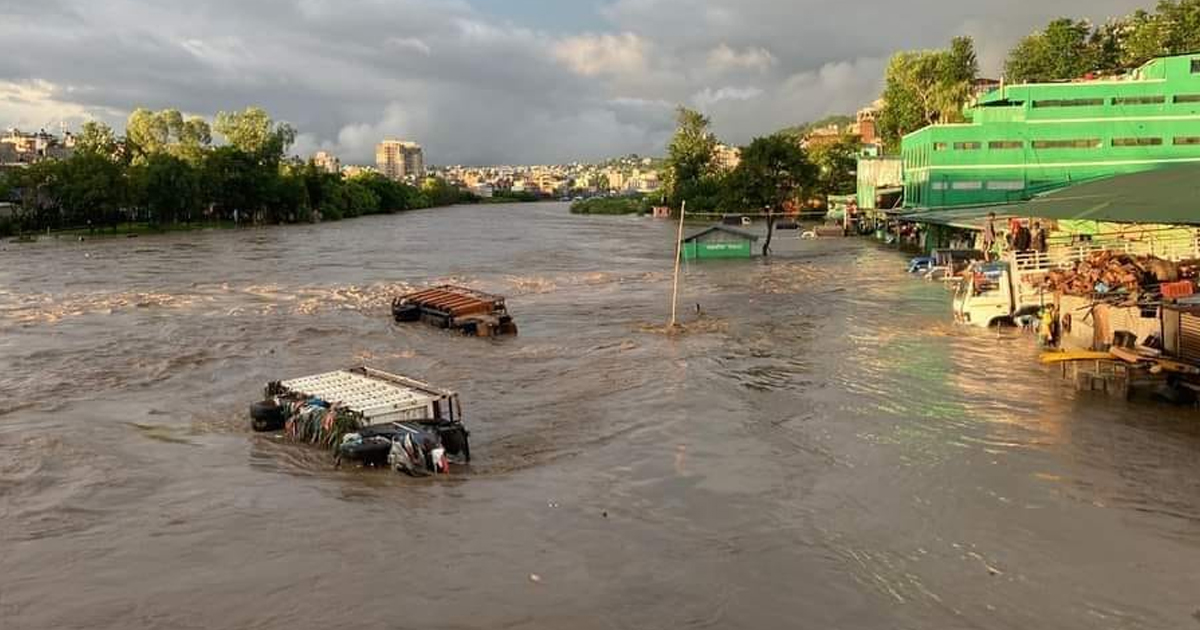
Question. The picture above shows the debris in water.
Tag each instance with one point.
(448, 306)
(702, 325)
(535, 578)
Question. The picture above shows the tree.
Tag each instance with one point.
(956, 70)
(96, 137)
(148, 133)
(1173, 28)
(773, 172)
(926, 87)
(168, 188)
(1065, 49)
(837, 164)
(438, 192)
(689, 157)
(393, 196)
(234, 181)
(89, 189)
(253, 131)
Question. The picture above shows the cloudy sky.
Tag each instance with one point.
(485, 81)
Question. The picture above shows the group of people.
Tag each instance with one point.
(1019, 237)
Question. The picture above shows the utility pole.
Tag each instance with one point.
(678, 255)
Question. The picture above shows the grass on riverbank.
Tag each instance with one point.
(612, 205)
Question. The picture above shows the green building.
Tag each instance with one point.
(1023, 140)
(719, 241)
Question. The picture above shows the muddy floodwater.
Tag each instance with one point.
(822, 449)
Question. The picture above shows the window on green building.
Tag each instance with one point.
(1068, 144)
(1139, 100)
(1136, 142)
(939, 146)
(967, 146)
(967, 185)
(1070, 102)
(1187, 98)
(1006, 144)
(1187, 140)
(1196, 66)
(1008, 184)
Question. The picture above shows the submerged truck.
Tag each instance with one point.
(369, 416)
(1000, 293)
(458, 308)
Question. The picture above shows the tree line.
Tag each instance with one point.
(166, 170)
(1069, 49)
(931, 86)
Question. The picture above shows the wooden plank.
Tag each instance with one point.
(1073, 355)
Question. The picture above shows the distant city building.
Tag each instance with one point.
(27, 148)
(832, 134)
(353, 170)
(399, 159)
(868, 123)
(327, 162)
(982, 86)
(727, 158)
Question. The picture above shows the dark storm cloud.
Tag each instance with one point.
(473, 89)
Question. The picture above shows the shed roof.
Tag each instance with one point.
(1168, 195)
(966, 217)
(721, 228)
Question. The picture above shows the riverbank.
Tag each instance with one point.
(128, 230)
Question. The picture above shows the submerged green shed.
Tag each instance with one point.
(719, 241)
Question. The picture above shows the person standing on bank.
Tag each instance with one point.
(989, 235)
(1022, 239)
(1039, 238)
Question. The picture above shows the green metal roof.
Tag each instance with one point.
(750, 236)
(967, 217)
(1169, 195)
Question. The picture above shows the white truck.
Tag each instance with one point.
(999, 293)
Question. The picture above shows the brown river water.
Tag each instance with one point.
(823, 448)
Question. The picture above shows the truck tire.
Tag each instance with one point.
(372, 452)
(266, 416)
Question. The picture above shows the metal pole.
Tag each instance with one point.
(678, 255)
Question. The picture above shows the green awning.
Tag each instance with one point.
(966, 217)
(1169, 195)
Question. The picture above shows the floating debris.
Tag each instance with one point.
(448, 306)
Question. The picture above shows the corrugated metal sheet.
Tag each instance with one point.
(1189, 337)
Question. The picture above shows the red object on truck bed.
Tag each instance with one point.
(1180, 289)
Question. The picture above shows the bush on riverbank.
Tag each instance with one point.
(612, 205)
(511, 196)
